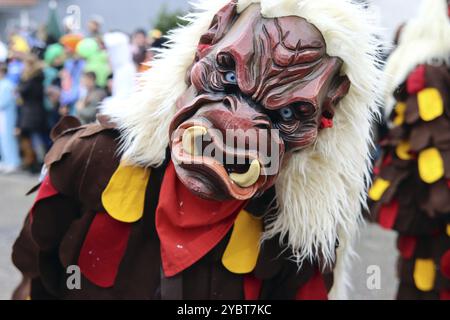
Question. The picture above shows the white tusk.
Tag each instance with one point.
(190, 136)
(248, 178)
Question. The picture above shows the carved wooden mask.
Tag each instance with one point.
(270, 77)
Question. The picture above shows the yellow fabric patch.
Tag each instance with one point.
(400, 110)
(424, 274)
(241, 254)
(378, 189)
(431, 165)
(403, 149)
(124, 197)
(431, 105)
(448, 230)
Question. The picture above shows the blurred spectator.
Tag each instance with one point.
(153, 35)
(18, 48)
(44, 38)
(19, 44)
(15, 69)
(3, 52)
(139, 47)
(96, 60)
(32, 118)
(54, 58)
(36, 41)
(109, 86)
(93, 95)
(94, 27)
(71, 74)
(70, 42)
(119, 53)
(157, 44)
(9, 149)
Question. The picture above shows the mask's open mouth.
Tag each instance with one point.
(213, 169)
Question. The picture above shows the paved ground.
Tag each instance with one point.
(376, 247)
(13, 209)
(377, 253)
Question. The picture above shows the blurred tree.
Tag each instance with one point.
(167, 21)
(53, 27)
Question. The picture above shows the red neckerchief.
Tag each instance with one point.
(188, 226)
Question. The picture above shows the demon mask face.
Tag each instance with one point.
(259, 90)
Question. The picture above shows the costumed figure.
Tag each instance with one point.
(411, 192)
(236, 171)
(9, 148)
(96, 60)
(19, 48)
(124, 72)
(54, 58)
(71, 74)
(3, 52)
(32, 119)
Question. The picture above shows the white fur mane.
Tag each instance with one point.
(424, 38)
(322, 189)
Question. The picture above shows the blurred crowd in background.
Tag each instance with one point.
(56, 71)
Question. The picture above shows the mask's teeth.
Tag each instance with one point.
(190, 137)
(248, 178)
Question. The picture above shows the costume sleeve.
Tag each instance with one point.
(411, 193)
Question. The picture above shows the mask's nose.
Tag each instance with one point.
(237, 114)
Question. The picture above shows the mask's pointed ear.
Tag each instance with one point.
(338, 90)
(220, 25)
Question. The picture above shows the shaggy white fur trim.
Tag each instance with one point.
(322, 189)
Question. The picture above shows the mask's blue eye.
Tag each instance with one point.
(230, 77)
(287, 114)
